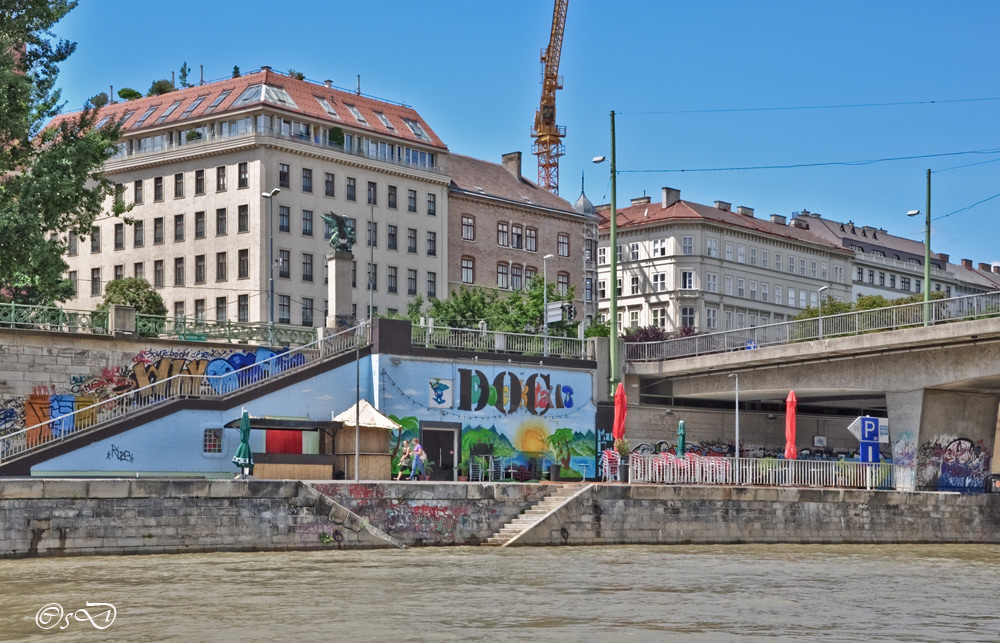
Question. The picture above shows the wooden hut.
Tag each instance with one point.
(373, 447)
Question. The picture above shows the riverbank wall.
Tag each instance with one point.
(75, 517)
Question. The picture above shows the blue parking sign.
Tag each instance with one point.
(869, 429)
(869, 450)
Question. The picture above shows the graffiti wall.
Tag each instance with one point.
(530, 417)
(952, 463)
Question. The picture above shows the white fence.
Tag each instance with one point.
(695, 469)
(163, 392)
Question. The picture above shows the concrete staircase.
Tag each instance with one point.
(536, 514)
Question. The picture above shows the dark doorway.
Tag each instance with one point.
(440, 441)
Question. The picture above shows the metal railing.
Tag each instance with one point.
(54, 319)
(163, 392)
(711, 470)
(193, 329)
(487, 341)
(940, 311)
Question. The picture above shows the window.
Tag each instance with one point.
(687, 245)
(179, 271)
(871, 276)
(741, 253)
(904, 283)
(660, 247)
(791, 264)
(179, 309)
(178, 186)
(243, 268)
(777, 261)
(284, 264)
(354, 274)
(284, 309)
(432, 244)
(712, 247)
(158, 188)
(741, 287)
(357, 115)
(824, 271)
(503, 275)
(859, 274)
(243, 175)
(391, 279)
(199, 269)
(137, 234)
(753, 289)
(137, 192)
(516, 237)
(199, 225)
(562, 244)
(529, 272)
(503, 234)
(791, 297)
(307, 180)
(221, 309)
(307, 311)
(411, 200)
(687, 317)
(802, 298)
(763, 291)
(243, 308)
(431, 285)
(814, 270)
(284, 180)
(391, 235)
(711, 282)
(328, 186)
(431, 205)
(916, 285)
(220, 179)
(372, 229)
(659, 282)
(777, 294)
(516, 277)
(284, 218)
(660, 316)
(178, 227)
(74, 244)
(391, 197)
(712, 318)
(158, 273)
(633, 251)
(119, 236)
(729, 284)
(243, 218)
(802, 267)
(753, 256)
(634, 285)
(562, 283)
(373, 276)
(892, 281)
(352, 187)
(199, 182)
(531, 240)
(220, 222)
(602, 289)
(220, 266)
(307, 266)
(589, 289)
(411, 282)
(468, 228)
(212, 441)
(73, 281)
(687, 279)
(468, 270)
(764, 255)
(119, 272)
(95, 281)
(602, 256)
(372, 193)
(307, 223)
(881, 278)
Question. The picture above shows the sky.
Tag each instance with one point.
(694, 86)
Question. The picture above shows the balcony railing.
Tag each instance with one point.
(854, 323)
(487, 341)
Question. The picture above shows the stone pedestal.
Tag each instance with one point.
(339, 289)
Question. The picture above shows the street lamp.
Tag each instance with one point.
(927, 252)
(270, 257)
(821, 289)
(737, 376)
(614, 259)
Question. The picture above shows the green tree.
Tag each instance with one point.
(160, 87)
(98, 100)
(830, 307)
(52, 184)
(414, 308)
(236, 71)
(597, 329)
(127, 93)
(182, 76)
(135, 292)
(464, 308)
(560, 443)
(297, 75)
(646, 334)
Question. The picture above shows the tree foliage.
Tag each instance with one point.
(127, 93)
(98, 100)
(51, 182)
(182, 75)
(236, 71)
(646, 334)
(160, 87)
(864, 302)
(135, 292)
(297, 75)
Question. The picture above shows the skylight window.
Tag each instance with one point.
(357, 114)
(145, 115)
(328, 107)
(278, 95)
(127, 116)
(416, 129)
(218, 100)
(250, 95)
(170, 110)
(193, 106)
(385, 121)
(101, 122)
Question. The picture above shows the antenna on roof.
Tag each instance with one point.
(358, 92)
(202, 81)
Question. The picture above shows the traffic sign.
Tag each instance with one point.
(553, 312)
(870, 428)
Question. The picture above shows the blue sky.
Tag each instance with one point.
(471, 68)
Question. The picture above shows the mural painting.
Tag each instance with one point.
(952, 463)
(529, 418)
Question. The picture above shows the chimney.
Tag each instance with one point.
(967, 263)
(985, 267)
(201, 78)
(327, 83)
(265, 68)
(670, 197)
(722, 205)
(801, 224)
(641, 200)
(172, 84)
(996, 269)
(512, 163)
(778, 218)
(111, 94)
(943, 257)
(745, 211)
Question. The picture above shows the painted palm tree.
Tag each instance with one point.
(559, 443)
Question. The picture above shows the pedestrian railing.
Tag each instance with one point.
(486, 341)
(713, 470)
(54, 319)
(19, 443)
(854, 323)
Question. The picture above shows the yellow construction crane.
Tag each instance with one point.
(548, 136)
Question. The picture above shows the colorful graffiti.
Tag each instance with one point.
(952, 463)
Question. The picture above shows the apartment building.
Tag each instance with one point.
(218, 172)
(688, 267)
(503, 226)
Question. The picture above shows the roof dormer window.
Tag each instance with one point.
(385, 121)
(145, 115)
(218, 100)
(357, 114)
(325, 104)
(170, 110)
(193, 106)
(416, 129)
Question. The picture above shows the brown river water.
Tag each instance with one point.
(853, 593)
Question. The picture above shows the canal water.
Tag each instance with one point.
(663, 593)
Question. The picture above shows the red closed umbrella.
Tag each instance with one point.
(790, 404)
(621, 408)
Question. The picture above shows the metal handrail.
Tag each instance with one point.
(858, 322)
(159, 393)
(54, 319)
(474, 339)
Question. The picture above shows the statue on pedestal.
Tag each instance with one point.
(342, 237)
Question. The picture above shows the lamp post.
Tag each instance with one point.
(821, 289)
(371, 254)
(737, 376)
(270, 259)
(613, 322)
(927, 252)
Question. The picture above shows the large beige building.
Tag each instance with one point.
(689, 267)
(198, 162)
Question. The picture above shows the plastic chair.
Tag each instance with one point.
(609, 463)
(496, 468)
(475, 469)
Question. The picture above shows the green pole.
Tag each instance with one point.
(927, 256)
(613, 322)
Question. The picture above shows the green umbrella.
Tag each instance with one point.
(244, 457)
(680, 438)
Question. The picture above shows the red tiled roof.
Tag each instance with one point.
(303, 93)
(483, 178)
(654, 213)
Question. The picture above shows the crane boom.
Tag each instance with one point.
(548, 136)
